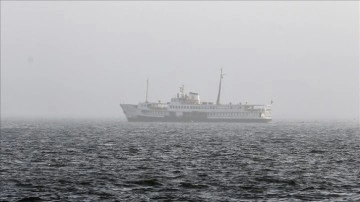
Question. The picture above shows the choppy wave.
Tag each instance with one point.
(114, 161)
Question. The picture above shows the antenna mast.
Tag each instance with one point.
(218, 97)
(147, 90)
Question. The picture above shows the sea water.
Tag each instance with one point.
(110, 160)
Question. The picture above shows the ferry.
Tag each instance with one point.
(187, 107)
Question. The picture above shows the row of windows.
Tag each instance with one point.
(192, 107)
(215, 114)
(212, 114)
(155, 113)
(203, 107)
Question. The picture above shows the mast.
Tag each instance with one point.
(218, 97)
(147, 90)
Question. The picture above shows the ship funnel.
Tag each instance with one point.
(218, 97)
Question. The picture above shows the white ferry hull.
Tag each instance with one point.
(133, 114)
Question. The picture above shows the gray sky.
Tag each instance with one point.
(81, 59)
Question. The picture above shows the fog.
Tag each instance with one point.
(82, 59)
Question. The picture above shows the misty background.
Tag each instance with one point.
(82, 59)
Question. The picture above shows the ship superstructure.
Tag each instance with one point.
(187, 107)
